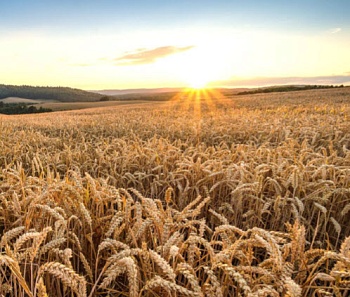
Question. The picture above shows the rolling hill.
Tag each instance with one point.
(62, 94)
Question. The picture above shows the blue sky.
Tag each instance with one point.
(92, 14)
(83, 43)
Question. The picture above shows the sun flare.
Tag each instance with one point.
(196, 68)
(198, 83)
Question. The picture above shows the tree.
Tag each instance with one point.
(105, 98)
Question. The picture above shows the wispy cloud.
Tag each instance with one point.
(148, 56)
(268, 81)
(334, 30)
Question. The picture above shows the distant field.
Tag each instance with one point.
(62, 106)
(296, 98)
(24, 100)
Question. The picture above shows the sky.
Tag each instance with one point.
(121, 44)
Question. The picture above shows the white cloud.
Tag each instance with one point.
(334, 30)
(148, 56)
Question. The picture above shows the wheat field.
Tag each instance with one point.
(199, 196)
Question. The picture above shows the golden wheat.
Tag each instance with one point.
(250, 200)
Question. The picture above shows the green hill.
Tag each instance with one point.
(62, 94)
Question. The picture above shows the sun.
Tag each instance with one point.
(198, 68)
(198, 80)
(198, 84)
(200, 76)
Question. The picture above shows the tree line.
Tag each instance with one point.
(20, 108)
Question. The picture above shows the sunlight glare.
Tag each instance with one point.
(198, 83)
(198, 77)
(198, 67)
